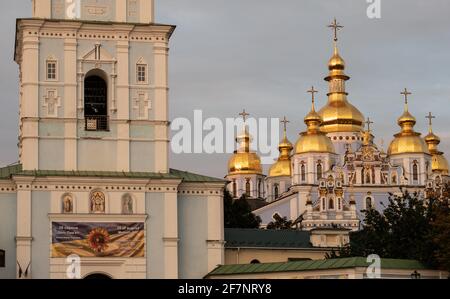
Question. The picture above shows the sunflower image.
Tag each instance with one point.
(98, 239)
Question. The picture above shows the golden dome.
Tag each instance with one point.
(283, 166)
(339, 115)
(411, 143)
(243, 160)
(313, 140)
(244, 163)
(439, 163)
(407, 141)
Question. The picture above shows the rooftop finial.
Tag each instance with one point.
(430, 117)
(244, 115)
(368, 122)
(406, 93)
(336, 27)
(312, 91)
(285, 122)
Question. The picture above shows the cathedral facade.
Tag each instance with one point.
(335, 170)
(93, 194)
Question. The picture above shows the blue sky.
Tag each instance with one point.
(262, 55)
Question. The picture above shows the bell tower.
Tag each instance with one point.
(93, 86)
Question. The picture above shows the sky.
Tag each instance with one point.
(262, 55)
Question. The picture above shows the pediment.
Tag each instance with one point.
(98, 53)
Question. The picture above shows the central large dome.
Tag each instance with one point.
(340, 116)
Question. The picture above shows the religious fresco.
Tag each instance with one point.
(98, 239)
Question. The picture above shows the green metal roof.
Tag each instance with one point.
(262, 238)
(9, 171)
(343, 263)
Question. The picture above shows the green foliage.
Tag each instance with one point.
(280, 223)
(238, 213)
(408, 228)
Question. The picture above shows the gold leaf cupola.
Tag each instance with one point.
(439, 163)
(407, 141)
(283, 166)
(313, 140)
(339, 115)
(244, 161)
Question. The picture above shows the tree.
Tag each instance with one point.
(408, 228)
(280, 223)
(238, 213)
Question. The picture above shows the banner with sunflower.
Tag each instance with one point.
(98, 239)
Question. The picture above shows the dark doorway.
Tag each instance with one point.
(96, 104)
(97, 276)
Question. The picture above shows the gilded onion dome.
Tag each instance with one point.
(339, 115)
(283, 166)
(407, 141)
(244, 161)
(313, 140)
(439, 163)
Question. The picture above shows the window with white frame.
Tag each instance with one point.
(52, 69)
(141, 73)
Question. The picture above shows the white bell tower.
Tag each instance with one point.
(94, 87)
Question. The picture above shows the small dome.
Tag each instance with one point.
(439, 163)
(431, 138)
(336, 62)
(411, 143)
(406, 118)
(245, 163)
(280, 168)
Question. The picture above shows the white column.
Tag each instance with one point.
(216, 235)
(70, 104)
(121, 11)
(160, 74)
(24, 233)
(147, 11)
(171, 235)
(42, 9)
(123, 106)
(30, 108)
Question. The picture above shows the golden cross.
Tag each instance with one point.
(430, 121)
(430, 118)
(285, 122)
(406, 93)
(312, 91)
(368, 122)
(336, 27)
(244, 115)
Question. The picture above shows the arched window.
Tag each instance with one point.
(255, 261)
(362, 176)
(247, 187)
(276, 191)
(97, 202)
(127, 204)
(95, 103)
(234, 188)
(67, 204)
(415, 171)
(331, 204)
(324, 204)
(303, 172)
(319, 171)
(339, 204)
(369, 203)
